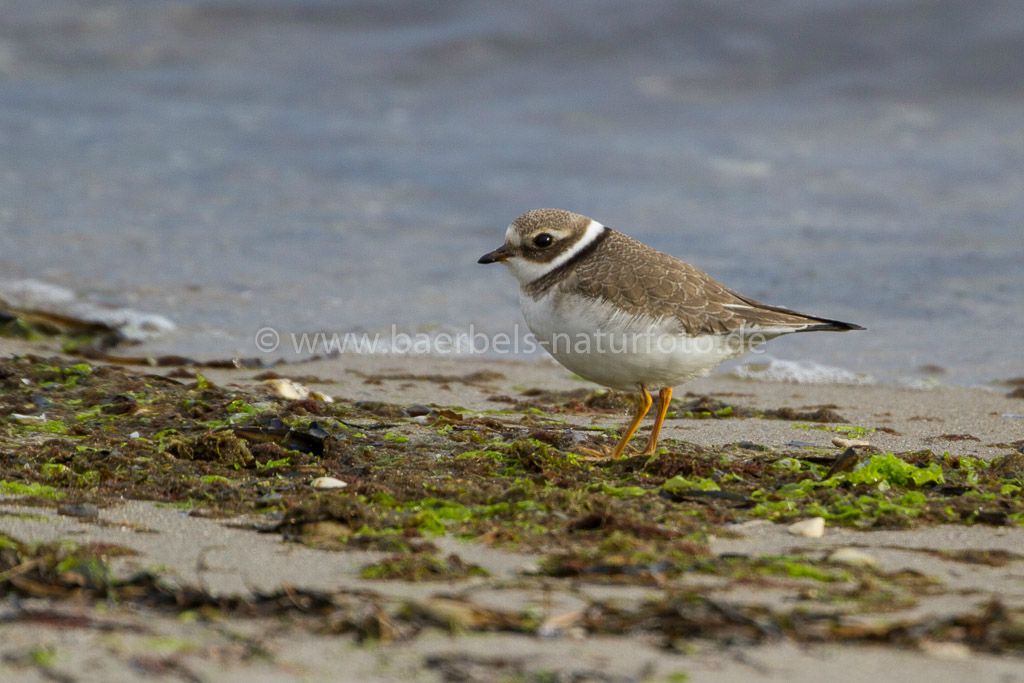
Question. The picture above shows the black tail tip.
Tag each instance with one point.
(840, 326)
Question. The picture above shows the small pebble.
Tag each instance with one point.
(749, 525)
(84, 510)
(319, 396)
(134, 435)
(814, 527)
(270, 499)
(853, 557)
(417, 409)
(328, 483)
(849, 443)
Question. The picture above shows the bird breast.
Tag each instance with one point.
(609, 346)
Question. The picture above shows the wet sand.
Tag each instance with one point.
(110, 642)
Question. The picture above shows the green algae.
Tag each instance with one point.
(774, 565)
(422, 567)
(620, 491)
(616, 555)
(273, 464)
(241, 407)
(847, 430)
(513, 479)
(69, 565)
(55, 471)
(43, 657)
(505, 480)
(884, 490)
(220, 446)
(680, 484)
(797, 569)
(45, 427)
(35, 490)
(889, 470)
(66, 375)
(674, 617)
(719, 413)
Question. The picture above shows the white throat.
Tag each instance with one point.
(528, 271)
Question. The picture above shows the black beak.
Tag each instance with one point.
(499, 254)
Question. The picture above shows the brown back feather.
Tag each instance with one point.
(642, 281)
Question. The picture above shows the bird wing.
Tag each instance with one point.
(644, 281)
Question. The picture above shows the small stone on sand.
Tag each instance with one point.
(814, 527)
(853, 557)
(84, 510)
(328, 483)
(849, 443)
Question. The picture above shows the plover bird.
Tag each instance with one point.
(624, 315)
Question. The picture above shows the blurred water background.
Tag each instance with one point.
(336, 165)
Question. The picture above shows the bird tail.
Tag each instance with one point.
(785, 320)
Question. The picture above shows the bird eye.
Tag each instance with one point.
(543, 240)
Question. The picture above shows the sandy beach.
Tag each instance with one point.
(201, 196)
(241, 590)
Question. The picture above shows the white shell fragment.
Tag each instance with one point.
(18, 417)
(290, 390)
(328, 483)
(852, 557)
(813, 527)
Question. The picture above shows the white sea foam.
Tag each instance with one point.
(921, 383)
(35, 295)
(798, 372)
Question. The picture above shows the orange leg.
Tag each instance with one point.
(641, 412)
(664, 399)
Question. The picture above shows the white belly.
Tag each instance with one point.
(602, 344)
